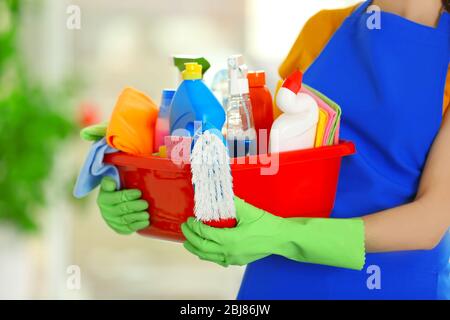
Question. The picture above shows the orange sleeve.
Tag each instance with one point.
(313, 38)
(447, 93)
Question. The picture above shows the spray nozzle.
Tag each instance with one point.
(237, 73)
(237, 67)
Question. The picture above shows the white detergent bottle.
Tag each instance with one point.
(296, 128)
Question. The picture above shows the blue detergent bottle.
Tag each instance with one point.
(194, 108)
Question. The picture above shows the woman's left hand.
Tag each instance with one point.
(334, 242)
(252, 239)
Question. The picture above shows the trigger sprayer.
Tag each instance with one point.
(239, 128)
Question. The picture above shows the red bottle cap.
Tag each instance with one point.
(256, 78)
(294, 82)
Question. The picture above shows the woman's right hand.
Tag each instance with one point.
(123, 211)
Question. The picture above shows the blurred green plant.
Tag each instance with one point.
(32, 125)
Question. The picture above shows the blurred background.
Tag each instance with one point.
(62, 65)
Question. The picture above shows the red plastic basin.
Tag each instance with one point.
(304, 185)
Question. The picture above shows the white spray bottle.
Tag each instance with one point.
(296, 128)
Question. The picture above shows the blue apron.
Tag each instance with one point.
(390, 83)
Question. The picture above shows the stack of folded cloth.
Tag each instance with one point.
(329, 118)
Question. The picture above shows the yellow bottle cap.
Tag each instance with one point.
(193, 71)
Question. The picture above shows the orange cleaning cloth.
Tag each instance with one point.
(132, 125)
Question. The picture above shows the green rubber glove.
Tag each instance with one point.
(123, 211)
(95, 132)
(333, 242)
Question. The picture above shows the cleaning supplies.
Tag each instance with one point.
(262, 107)
(197, 113)
(162, 128)
(331, 134)
(239, 129)
(296, 128)
(132, 125)
(94, 170)
(194, 105)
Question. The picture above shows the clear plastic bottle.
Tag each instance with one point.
(239, 128)
(219, 87)
(240, 131)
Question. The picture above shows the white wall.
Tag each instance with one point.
(273, 25)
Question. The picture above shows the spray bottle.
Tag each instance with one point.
(239, 128)
(296, 128)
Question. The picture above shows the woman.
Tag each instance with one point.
(388, 237)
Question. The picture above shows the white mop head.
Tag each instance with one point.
(212, 180)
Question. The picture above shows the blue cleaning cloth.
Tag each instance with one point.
(94, 170)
